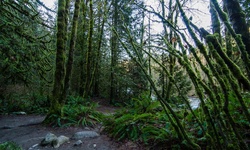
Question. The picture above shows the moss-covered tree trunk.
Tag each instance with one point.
(241, 43)
(238, 20)
(114, 48)
(56, 102)
(175, 122)
(215, 20)
(71, 49)
(101, 24)
(83, 40)
(149, 51)
(89, 56)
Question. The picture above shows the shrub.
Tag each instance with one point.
(142, 121)
(9, 146)
(80, 112)
(30, 103)
(83, 115)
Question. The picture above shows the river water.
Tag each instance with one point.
(194, 102)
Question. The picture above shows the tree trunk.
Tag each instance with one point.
(149, 51)
(238, 20)
(83, 41)
(237, 27)
(89, 69)
(96, 75)
(56, 102)
(215, 21)
(114, 48)
(71, 49)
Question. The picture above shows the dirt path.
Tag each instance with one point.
(27, 131)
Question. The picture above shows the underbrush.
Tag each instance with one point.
(9, 146)
(144, 121)
(78, 112)
(29, 103)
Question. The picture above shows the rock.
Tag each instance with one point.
(33, 147)
(85, 134)
(49, 138)
(86, 128)
(77, 143)
(59, 141)
(20, 113)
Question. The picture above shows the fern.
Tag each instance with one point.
(142, 120)
(81, 115)
(143, 127)
(9, 146)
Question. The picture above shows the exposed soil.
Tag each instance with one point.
(27, 131)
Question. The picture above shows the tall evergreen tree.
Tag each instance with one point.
(56, 99)
(71, 49)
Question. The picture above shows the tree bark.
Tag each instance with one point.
(56, 102)
(83, 48)
(215, 20)
(101, 24)
(71, 49)
(238, 21)
(114, 48)
(237, 27)
(89, 69)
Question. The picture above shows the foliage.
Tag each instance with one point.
(144, 104)
(142, 121)
(9, 146)
(24, 48)
(245, 5)
(181, 80)
(217, 64)
(237, 112)
(29, 103)
(78, 111)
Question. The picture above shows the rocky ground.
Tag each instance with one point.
(28, 132)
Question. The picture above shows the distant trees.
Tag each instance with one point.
(89, 48)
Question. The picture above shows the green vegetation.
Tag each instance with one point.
(78, 112)
(56, 62)
(144, 121)
(9, 146)
(26, 102)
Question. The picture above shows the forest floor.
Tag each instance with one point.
(27, 131)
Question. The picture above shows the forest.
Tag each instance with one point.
(151, 60)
